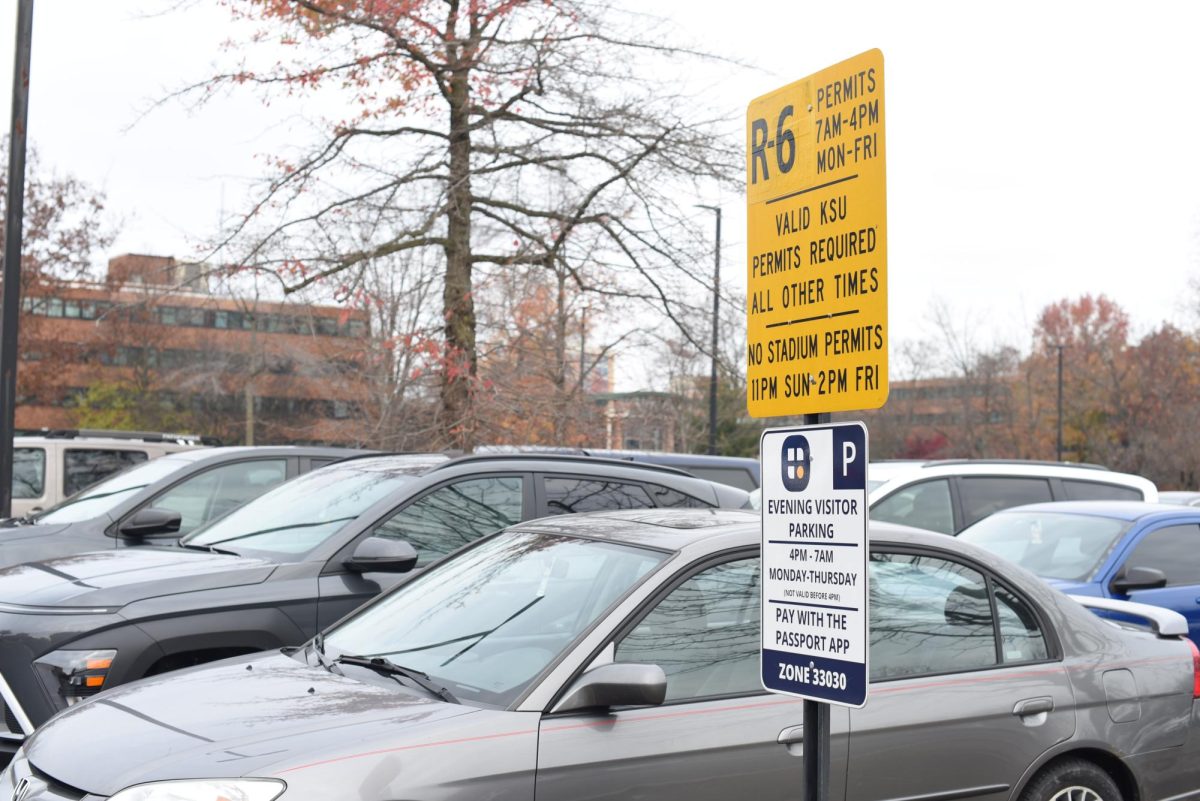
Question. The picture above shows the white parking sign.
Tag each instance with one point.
(814, 561)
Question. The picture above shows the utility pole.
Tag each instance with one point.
(712, 384)
(10, 305)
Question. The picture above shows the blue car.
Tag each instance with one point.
(1127, 550)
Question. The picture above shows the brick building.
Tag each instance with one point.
(154, 327)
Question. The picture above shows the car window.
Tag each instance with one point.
(1099, 491)
(102, 498)
(1173, 551)
(733, 476)
(1021, 638)
(451, 516)
(704, 634)
(216, 492)
(289, 521)
(928, 615)
(29, 473)
(569, 495)
(489, 621)
(673, 499)
(982, 495)
(83, 467)
(923, 505)
(1052, 544)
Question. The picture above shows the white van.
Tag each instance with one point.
(56, 464)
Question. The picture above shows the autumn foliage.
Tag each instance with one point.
(1128, 402)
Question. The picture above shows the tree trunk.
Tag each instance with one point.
(248, 398)
(457, 300)
(561, 403)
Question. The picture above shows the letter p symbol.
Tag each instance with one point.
(850, 456)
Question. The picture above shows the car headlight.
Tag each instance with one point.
(204, 790)
(71, 676)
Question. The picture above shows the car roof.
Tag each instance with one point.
(675, 529)
(562, 459)
(231, 451)
(1116, 510)
(893, 473)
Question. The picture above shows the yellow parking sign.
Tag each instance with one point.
(816, 195)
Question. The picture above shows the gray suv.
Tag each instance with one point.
(280, 568)
(158, 501)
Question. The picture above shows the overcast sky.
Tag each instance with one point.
(1035, 151)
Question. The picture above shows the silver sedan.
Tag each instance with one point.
(615, 656)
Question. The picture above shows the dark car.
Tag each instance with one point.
(283, 566)
(616, 656)
(1144, 552)
(158, 501)
(737, 471)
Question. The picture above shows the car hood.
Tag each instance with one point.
(20, 544)
(120, 576)
(229, 719)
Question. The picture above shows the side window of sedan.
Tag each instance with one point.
(931, 616)
(456, 514)
(1172, 550)
(704, 634)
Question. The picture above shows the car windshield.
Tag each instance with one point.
(294, 518)
(101, 498)
(487, 622)
(1053, 545)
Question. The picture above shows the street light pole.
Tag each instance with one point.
(1060, 400)
(712, 384)
(10, 304)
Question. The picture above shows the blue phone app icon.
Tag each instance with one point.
(797, 463)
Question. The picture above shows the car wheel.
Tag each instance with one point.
(1072, 780)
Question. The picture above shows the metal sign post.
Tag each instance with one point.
(816, 718)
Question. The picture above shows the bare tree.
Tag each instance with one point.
(495, 132)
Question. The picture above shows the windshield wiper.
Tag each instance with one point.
(207, 548)
(387, 667)
(283, 528)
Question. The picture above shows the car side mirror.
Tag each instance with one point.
(382, 554)
(1138, 578)
(151, 521)
(615, 684)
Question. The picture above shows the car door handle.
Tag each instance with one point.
(792, 738)
(792, 735)
(1033, 706)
